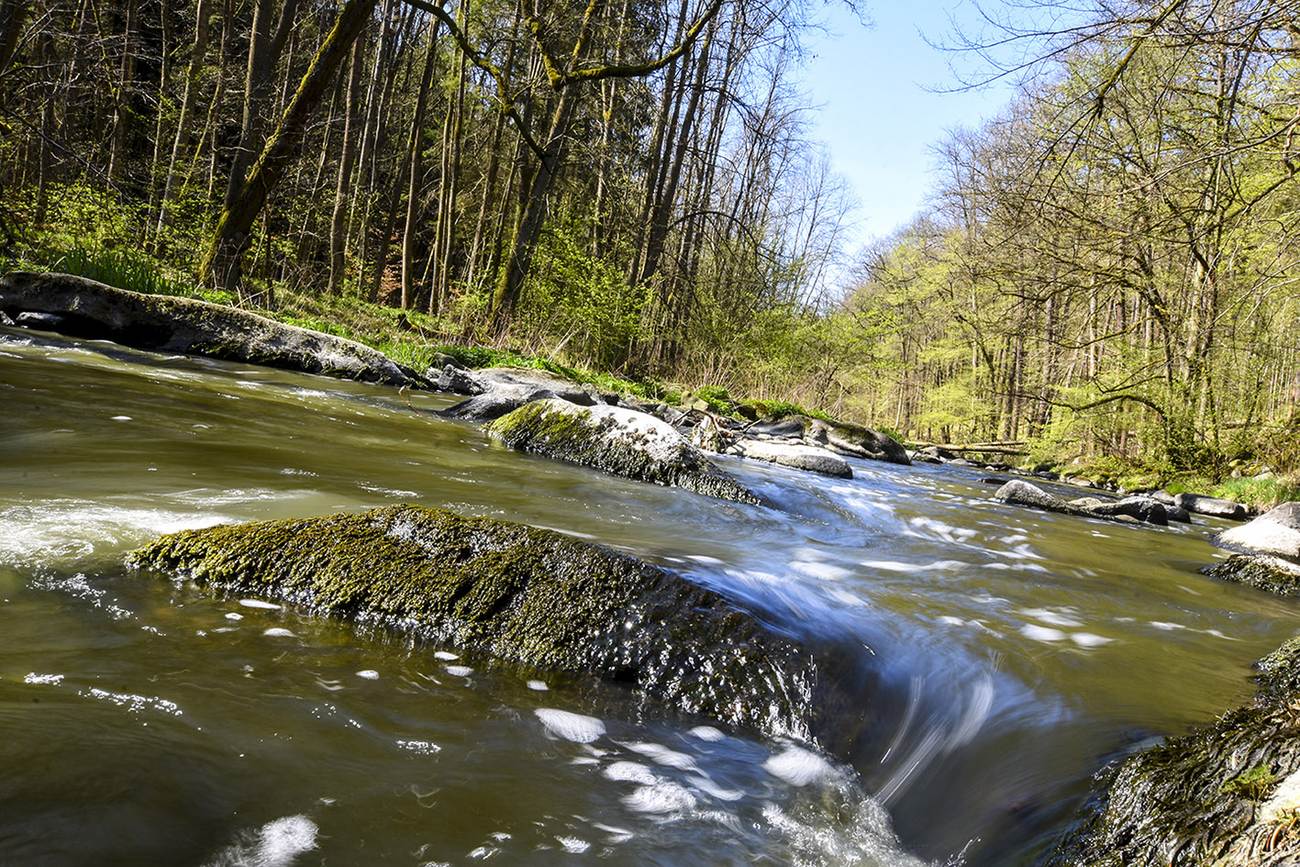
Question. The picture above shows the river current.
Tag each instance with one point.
(142, 722)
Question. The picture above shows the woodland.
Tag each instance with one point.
(1105, 275)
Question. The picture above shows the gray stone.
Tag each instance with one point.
(501, 390)
(798, 457)
(185, 325)
(619, 441)
(1212, 506)
(1276, 532)
(1133, 510)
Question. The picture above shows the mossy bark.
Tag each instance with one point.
(523, 594)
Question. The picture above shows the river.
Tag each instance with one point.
(142, 722)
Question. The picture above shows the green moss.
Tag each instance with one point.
(564, 432)
(519, 593)
(1253, 784)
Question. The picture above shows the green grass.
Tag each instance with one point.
(409, 337)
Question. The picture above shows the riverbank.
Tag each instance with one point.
(422, 342)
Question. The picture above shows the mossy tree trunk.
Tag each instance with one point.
(230, 239)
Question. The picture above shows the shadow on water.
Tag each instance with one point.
(993, 656)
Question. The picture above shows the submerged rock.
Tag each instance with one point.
(619, 441)
(84, 308)
(523, 594)
(1225, 795)
(799, 457)
(1141, 509)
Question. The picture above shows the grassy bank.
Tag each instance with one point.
(410, 337)
(422, 341)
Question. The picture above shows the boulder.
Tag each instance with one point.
(530, 596)
(1212, 506)
(84, 308)
(798, 457)
(1261, 571)
(619, 441)
(1276, 532)
(499, 390)
(1224, 794)
(857, 441)
(841, 437)
(1142, 509)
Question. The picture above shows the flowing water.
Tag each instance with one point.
(144, 723)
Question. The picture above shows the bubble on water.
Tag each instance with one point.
(538, 685)
(705, 784)
(277, 632)
(570, 726)
(1055, 618)
(43, 679)
(258, 603)
(706, 733)
(1041, 633)
(234, 615)
(426, 748)
(630, 772)
(1166, 626)
(662, 797)
(1088, 639)
(895, 566)
(368, 674)
(825, 571)
(121, 418)
(275, 844)
(574, 845)
(445, 656)
(134, 703)
(616, 835)
(661, 755)
(459, 670)
(799, 767)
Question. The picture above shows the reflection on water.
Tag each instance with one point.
(144, 723)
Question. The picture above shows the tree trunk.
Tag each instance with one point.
(231, 236)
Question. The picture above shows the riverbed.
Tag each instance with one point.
(143, 722)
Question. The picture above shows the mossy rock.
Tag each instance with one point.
(1263, 572)
(531, 596)
(162, 323)
(619, 441)
(1224, 794)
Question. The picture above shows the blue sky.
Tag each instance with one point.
(878, 107)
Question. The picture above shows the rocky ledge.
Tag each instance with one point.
(619, 441)
(1130, 509)
(1267, 552)
(840, 437)
(84, 308)
(1226, 795)
(531, 596)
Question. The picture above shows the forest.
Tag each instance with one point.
(1105, 274)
